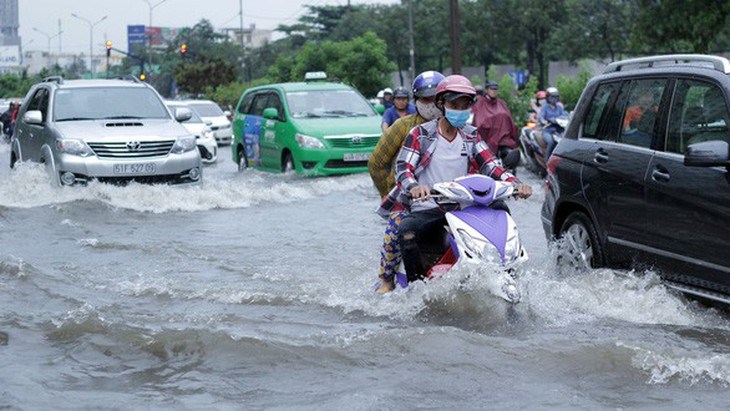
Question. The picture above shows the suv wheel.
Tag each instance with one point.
(579, 247)
(242, 160)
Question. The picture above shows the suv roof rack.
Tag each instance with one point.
(702, 60)
(128, 77)
(53, 79)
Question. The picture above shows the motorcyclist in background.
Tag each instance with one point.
(547, 119)
(536, 106)
(495, 125)
(382, 162)
(388, 97)
(401, 108)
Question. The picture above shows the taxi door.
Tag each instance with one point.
(272, 131)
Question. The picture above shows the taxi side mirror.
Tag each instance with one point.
(271, 113)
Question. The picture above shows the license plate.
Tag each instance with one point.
(356, 156)
(135, 168)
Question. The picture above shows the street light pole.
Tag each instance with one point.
(91, 38)
(149, 38)
(49, 37)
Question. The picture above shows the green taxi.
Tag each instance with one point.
(313, 128)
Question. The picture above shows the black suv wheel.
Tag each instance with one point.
(579, 245)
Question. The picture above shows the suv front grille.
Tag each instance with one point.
(132, 149)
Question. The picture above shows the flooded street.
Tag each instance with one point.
(254, 291)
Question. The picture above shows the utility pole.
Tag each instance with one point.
(454, 29)
(243, 44)
(59, 37)
(411, 51)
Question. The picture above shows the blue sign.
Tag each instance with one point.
(518, 77)
(135, 37)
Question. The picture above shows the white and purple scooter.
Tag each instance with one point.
(479, 236)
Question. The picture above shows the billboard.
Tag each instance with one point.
(138, 36)
(9, 56)
(135, 38)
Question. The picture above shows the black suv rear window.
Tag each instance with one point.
(597, 109)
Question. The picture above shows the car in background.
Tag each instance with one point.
(219, 122)
(642, 174)
(204, 139)
(312, 127)
(108, 130)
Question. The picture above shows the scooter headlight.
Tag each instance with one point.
(474, 246)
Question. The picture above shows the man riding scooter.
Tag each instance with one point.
(437, 151)
(548, 120)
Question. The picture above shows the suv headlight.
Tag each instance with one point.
(308, 141)
(183, 144)
(73, 146)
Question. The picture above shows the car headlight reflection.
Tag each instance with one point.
(183, 144)
(308, 141)
(73, 146)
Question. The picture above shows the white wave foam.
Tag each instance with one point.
(604, 293)
(688, 366)
(28, 186)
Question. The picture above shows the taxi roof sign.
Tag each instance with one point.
(315, 75)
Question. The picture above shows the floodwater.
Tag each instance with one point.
(254, 291)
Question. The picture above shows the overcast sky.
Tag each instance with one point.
(44, 15)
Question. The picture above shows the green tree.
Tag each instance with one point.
(212, 59)
(595, 29)
(679, 25)
(198, 77)
(361, 62)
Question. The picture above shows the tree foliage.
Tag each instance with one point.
(212, 59)
(679, 25)
(361, 62)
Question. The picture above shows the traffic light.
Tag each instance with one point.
(108, 48)
(184, 50)
(142, 76)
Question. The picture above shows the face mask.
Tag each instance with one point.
(427, 111)
(457, 118)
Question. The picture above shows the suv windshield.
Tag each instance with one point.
(207, 109)
(327, 103)
(95, 103)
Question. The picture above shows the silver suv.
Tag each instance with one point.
(109, 130)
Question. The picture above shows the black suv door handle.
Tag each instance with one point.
(601, 156)
(660, 174)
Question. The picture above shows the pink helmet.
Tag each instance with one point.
(457, 86)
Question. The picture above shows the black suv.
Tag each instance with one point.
(642, 175)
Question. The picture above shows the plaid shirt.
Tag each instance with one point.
(416, 155)
(382, 162)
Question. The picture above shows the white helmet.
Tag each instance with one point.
(552, 91)
(388, 90)
(381, 93)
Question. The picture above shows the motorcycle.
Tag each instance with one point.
(477, 234)
(533, 147)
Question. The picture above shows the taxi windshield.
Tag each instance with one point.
(328, 103)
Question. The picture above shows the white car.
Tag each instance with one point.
(219, 123)
(204, 139)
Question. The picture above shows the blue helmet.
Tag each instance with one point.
(424, 85)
